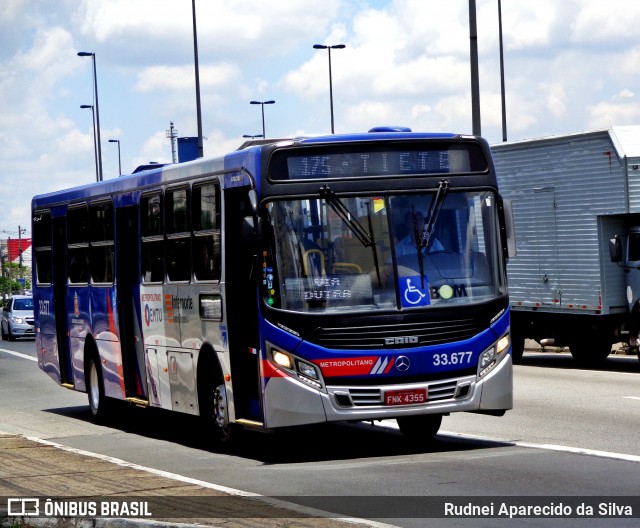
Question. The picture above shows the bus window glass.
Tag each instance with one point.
(206, 207)
(78, 265)
(42, 236)
(321, 264)
(206, 257)
(78, 225)
(101, 221)
(102, 264)
(151, 214)
(152, 261)
(177, 213)
(178, 261)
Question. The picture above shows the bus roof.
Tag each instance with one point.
(247, 157)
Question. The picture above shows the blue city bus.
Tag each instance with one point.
(354, 277)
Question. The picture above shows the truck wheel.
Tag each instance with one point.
(422, 427)
(517, 347)
(590, 349)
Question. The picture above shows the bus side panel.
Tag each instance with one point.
(155, 310)
(105, 332)
(78, 310)
(46, 345)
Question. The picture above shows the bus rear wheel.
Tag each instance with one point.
(421, 427)
(95, 389)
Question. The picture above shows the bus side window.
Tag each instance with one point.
(152, 238)
(178, 230)
(42, 244)
(78, 244)
(101, 254)
(206, 230)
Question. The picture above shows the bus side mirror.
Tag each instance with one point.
(615, 249)
(252, 225)
(509, 227)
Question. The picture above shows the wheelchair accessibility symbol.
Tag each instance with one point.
(411, 292)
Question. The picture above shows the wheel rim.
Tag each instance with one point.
(220, 410)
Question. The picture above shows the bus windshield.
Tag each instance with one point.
(392, 252)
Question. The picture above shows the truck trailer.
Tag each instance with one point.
(575, 200)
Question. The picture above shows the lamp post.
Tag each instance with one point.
(502, 91)
(254, 136)
(95, 147)
(329, 48)
(97, 111)
(475, 81)
(262, 103)
(197, 75)
(119, 160)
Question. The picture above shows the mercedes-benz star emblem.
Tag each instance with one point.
(402, 363)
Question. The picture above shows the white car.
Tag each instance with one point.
(17, 317)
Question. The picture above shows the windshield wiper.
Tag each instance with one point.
(433, 214)
(424, 239)
(366, 238)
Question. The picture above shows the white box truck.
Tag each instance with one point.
(572, 197)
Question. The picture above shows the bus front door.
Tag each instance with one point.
(242, 313)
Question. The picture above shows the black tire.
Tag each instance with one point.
(590, 349)
(215, 411)
(422, 427)
(98, 404)
(517, 347)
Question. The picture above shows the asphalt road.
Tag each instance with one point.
(573, 433)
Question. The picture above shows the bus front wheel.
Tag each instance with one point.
(421, 427)
(217, 412)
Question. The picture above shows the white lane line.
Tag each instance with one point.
(224, 489)
(632, 397)
(550, 447)
(19, 354)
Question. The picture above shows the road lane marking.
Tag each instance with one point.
(632, 397)
(19, 354)
(313, 512)
(550, 447)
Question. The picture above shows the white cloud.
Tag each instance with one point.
(179, 78)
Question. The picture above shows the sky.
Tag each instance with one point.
(570, 66)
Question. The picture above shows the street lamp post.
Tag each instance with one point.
(119, 160)
(262, 103)
(95, 147)
(329, 48)
(252, 136)
(197, 76)
(97, 111)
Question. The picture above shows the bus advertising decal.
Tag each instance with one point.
(355, 366)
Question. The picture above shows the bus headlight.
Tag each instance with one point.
(492, 356)
(306, 369)
(282, 359)
(296, 367)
